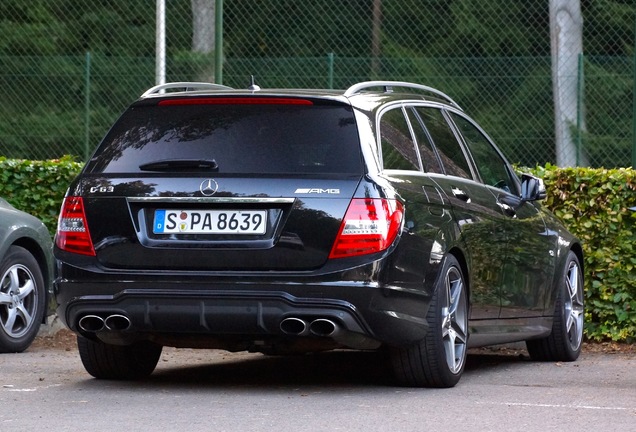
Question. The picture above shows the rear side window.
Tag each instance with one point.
(448, 148)
(241, 138)
(398, 148)
(428, 156)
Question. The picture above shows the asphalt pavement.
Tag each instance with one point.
(209, 390)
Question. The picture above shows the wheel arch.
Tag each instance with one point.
(578, 251)
(463, 263)
(45, 265)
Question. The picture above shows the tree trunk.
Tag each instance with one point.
(566, 34)
(203, 26)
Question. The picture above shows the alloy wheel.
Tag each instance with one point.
(454, 321)
(18, 301)
(573, 306)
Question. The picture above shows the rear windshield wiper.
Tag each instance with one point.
(180, 164)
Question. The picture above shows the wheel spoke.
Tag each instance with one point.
(454, 334)
(5, 299)
(14, 278)
(27, 289)
(454, 294)
(446, 325)
(24, 314)
(460, 333)
(451, 351)
(573, 304)
(9, 323)
(573, 321)
(572, 282)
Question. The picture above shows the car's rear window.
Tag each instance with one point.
(240, 138)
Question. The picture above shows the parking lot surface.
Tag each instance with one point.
(204, 390)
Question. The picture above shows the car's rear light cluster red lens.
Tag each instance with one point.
(235, 101)
(72, 229)
(370, 225)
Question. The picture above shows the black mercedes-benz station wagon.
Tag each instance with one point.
(381, 217)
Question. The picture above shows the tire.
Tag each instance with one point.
(22, 300)
(118, 362)
(439, 359)
(564, 343)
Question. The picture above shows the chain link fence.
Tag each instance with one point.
(68, 68)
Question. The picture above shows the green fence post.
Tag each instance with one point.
(330, 57)
(218, 42)
(87, 106)
(579, 109)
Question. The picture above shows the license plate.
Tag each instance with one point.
(210, 221)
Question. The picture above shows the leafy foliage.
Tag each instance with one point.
(69, 67)
(37, 187)
(594, 204)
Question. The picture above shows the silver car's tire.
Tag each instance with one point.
(439, 359)
(565, 341)
(118, 362)
(22, 300)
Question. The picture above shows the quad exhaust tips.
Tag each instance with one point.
(319, 327)
(95, 323)
(293, 326)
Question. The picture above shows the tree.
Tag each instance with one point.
(203, 26)
(566, 31)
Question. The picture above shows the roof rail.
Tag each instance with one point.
(388, 86)
(186, 86)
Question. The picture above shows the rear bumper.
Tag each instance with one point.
(247, 309)
(218, 312)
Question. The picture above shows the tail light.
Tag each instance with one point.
(72, 229)
(370, 225)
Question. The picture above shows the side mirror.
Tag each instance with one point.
(532, 188)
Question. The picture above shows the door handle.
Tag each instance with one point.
(460, 194)
(508, 210)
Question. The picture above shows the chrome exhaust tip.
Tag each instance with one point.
(323, 327)
(293, 326)
(117, 322)
(91, 323)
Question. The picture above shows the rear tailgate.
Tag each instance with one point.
(281, 223)
(232, 182)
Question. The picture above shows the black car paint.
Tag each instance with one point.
(225, 293)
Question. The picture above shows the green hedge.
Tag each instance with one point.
(37, 187)
(593, 203)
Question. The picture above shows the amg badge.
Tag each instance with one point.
(317, 191)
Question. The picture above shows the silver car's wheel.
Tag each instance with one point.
(21, 300)
(564, 343)
(439, 359)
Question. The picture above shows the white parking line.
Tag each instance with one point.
(11, 388)
(537, 405)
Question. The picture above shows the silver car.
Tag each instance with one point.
(26, 269)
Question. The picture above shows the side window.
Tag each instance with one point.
(448, 148)
(398, 149)
(491, 166)
(428, 156)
